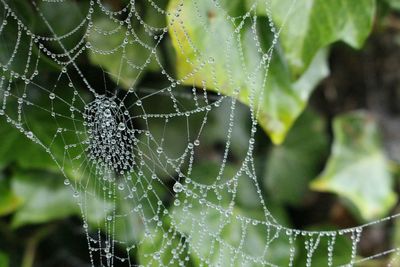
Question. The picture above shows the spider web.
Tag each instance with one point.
(123, 169)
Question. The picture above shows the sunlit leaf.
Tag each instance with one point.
(211, 52)
(45, 198)
(36, 190)
(8, 200)
(357, 168)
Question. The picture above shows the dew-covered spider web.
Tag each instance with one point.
(133, 155)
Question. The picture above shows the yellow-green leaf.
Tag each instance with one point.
(212, 52)
(8, 200)
(357, 168)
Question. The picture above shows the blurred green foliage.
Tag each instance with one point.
(32, 194)
(357, 168)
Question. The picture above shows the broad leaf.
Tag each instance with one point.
(341, 249)
(357, 168)
(21, 150)
(308, 26)
(217, 127)
(211, 52)
(202, 224)
(292, 165)
(15, 44)
(163, 248)
(134, 209)
(8, 200)
(36, 190)
(178, 131)
(53, 132)
(45, 198)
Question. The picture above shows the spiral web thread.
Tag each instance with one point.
(120, 171)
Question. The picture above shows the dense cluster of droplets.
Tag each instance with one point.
(110, 138)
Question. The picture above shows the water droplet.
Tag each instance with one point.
(67, 182)
(177, 187)
(29, 134)
(107, 113)
(121, 126)
(177, 202)
(52, 96)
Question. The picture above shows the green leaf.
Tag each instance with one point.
(229, 231)
(45, 198)
(395, 241)
(136, 206)
(4, 261)
(25, 152)
(292, 165)
(340, 250)
(15, 44)
(8, 200)
(202, 224)
(211, 52)
(23, 9)
(311, 25)
(160, 247)
(20, 149)
(124, 58)
(218, 124)
(357, 168)
(166, 131)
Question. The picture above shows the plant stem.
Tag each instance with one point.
(31, 246)
(29, 255)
